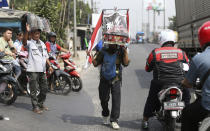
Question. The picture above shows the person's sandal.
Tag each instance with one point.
(44, 108)
(37, 111)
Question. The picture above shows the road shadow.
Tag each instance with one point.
(144, 78)
(81, 120)
(25, 106)
(91, 121)
(132, 124)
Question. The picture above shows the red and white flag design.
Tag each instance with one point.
(95, 38)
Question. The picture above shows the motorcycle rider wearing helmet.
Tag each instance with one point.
(165, 62)
(199, 68)
(52, 46)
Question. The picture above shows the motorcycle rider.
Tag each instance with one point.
(7, 46)
(166, 64)
(199, 67)
(52, 46)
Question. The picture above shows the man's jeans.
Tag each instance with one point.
(104, 93)
(37, 81)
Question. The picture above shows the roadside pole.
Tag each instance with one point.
(75, 30)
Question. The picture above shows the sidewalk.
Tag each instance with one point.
(80, 60)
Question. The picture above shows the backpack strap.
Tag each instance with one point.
(184, 56)
(205, 78)
(154, 54)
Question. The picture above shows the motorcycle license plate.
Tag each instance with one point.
(173, 105)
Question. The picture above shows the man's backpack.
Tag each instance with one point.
(108, 68)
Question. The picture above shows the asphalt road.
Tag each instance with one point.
(81, 111)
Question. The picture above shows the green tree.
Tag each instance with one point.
(172, 23)
(56, 12)
(83, 10)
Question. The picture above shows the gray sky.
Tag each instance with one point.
(135, 7)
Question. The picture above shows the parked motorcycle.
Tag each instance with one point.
(70, 68)
(8, 84)
(59, 81)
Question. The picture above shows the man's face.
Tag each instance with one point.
(7, 35)
(35, 35)
(52, 38)
(112, 48)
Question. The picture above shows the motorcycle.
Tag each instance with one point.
(8, 84)
(171, 106)
(197, 94)
(70, 68)
(58, 81)
(205, 124)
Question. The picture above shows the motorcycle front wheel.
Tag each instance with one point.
(62, 85)
(76, 84)
(8, 92)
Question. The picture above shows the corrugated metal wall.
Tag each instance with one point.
(190, 10)
(191, 14)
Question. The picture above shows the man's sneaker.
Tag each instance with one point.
(145, 124)
(105, 120)
(115, 125)
(4, 118)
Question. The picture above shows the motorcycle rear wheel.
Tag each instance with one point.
(205, 126)
(8, 92)
(171, 124)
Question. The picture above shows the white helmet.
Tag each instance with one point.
(166, 36)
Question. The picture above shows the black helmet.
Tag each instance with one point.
(52, 34)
